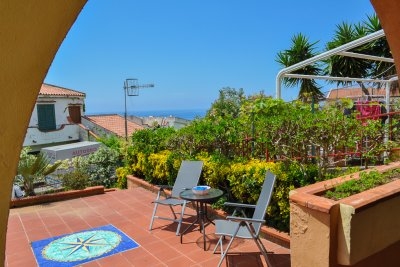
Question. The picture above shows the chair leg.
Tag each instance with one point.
(259, 244)
(263, 250)
(228, 246)
(223, 253)
(180, 219)
(153, 216)
(219, 243)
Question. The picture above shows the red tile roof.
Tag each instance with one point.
(114, 123)
(354, 93)
(48, 89)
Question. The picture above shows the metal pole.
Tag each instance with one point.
(253, 133)
(126, 115)
(322, 56)
(389, 119)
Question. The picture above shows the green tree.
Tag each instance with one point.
(114, 142)
(218, 133)
(378, 47)
(344, 66)
(228, 103)
(301, 50)
(331, 131)
(151, 140)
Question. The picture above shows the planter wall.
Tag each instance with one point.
(33, 200)
(356, 231)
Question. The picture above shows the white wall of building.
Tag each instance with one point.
(60, 107)
(65, 131)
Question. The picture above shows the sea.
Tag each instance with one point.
(188, 114)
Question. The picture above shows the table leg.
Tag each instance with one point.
(203, 212)
(206, 214)
(201, 217)
(195, 221)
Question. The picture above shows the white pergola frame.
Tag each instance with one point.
(343, 51)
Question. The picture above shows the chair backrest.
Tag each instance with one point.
(188, 176)
(264, 199)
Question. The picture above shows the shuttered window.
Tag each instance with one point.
(46, 117)
(75, 113)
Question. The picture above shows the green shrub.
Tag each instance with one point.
(102, 166)
(246, 179)
(157, 168)
(216, 169)
(366, 181)
(75, 180)
(150, 140)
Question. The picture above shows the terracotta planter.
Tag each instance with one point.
(33, 200)
(355, 231)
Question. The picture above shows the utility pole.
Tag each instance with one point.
(131, 88)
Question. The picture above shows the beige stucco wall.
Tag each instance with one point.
(305, 225)
(30, 34)
(366, 232)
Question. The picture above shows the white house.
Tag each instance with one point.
(56, 117)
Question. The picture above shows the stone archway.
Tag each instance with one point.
(30, 35)
(388, 13)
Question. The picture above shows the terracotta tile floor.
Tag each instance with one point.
(130, 211)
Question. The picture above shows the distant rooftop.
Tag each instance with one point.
(355, 93)
(48, 89)
(114, 123)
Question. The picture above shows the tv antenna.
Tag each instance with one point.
(131, 88)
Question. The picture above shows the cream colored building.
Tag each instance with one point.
(55, 117)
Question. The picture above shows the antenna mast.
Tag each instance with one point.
(131, 88)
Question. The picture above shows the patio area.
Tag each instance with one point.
(129, 211)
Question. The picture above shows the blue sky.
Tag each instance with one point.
(188, 49)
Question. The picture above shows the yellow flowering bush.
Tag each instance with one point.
(246, 179)
(140, 165)
(158, 168)
(121, 173)
(215, 171)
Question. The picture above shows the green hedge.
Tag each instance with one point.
(241, 181)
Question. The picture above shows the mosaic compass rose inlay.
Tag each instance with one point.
(80, 246)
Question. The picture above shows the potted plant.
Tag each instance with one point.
(32, 168)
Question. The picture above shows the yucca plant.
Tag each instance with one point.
(31, 168)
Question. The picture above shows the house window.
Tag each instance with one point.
(46, 117)
(75, 113)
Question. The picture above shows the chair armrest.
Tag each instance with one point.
(162, 187)
(239, 205)
(241, 219)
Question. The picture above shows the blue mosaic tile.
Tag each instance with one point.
(81, 247)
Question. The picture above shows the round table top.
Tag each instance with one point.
(212, 195)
